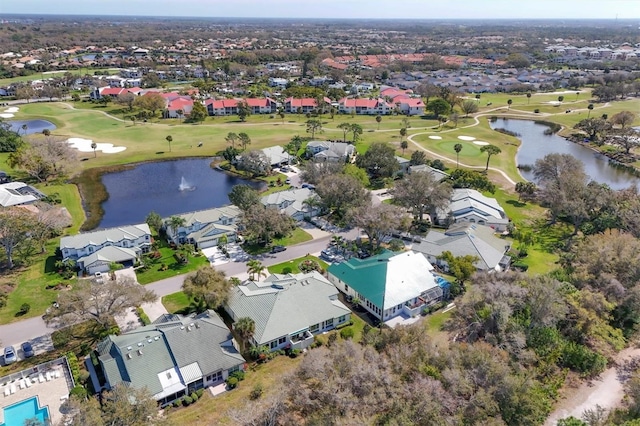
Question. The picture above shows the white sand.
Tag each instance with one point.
(84, 145)
(435, 137)
(481, 143)
(5, 115)
(12, 109)
(466, 138)
(554, 102)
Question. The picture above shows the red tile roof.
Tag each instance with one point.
(180, 103)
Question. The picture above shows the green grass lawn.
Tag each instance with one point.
(298, 236)
(154, 273)
(293, 265)
(175, 302)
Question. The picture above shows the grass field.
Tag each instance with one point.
(175, 302)
(294, 265)
(51, 74)
(173, 267)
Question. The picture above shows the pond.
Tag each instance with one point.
(168, 188)
(33, 126)
(535, 145)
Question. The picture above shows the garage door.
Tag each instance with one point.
(98, 267)
(207, 244)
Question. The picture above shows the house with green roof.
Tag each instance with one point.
(171, 357)
(288, 310)
(204, 228)
(389, 284)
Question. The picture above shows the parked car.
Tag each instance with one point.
(27, 350)
(10, 355)
(287, 181)
(278, 249)
(99, 277)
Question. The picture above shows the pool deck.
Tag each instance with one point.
(50, 393)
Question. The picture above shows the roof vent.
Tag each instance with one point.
(189, 328)
(128, 356)
(191, 325)
(197, 325)
(140, 344)
(139, 352)
(182, 327)
(149, 341)
(156, 338)
(129, 348)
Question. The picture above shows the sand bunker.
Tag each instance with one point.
(554, 102)
(84, 145)
(466, 138)
(12, 109)
(481, 143)
(435, 137)
(6, 115)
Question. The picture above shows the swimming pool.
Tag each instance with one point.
(16, 414)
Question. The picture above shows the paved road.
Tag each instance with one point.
(36, 330)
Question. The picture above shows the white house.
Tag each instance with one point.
(330, 151)
(288, 310)
(469, 205)
(204, 228)
(292, 202)
(364, 106)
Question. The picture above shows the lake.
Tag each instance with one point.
(535, 145)
(33, 126)
(168, 188)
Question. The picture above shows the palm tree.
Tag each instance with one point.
(560, 99)
(94, 146)
(457, 148)
(169, 139)
(255, 267)
(378, 120)
(490, 150)
(245, 327)
(346, 128)
(176, 222)
(590, 108)
(231, 138)
(528, 98)
(244, 140)
(509, 102)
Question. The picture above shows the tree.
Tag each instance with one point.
(81, 412)
(379, 160)
(231, 138)
(624, 138)
(509, 102)
(263, 225)
(340, 193)
(379, 220)
(469, 107)
(16, 226)
(623, 119)
(356, 131)
(315, 172)
(560, 98)
(403, 133)
(528, 97)
(230, 154)
(378, 120)
(44, 158)
(422, 193)
(346, 128)
(525, 190)
(151, 101)
(244, 110)
(314, 126)
(490, 150)
(244, 197)
(175, 223)
(462, 178)
(418, 157)
(127, 99)
(198, 113)
(94, 146)
(244, 140)
(169, 139)
(25, 92)
(593, 127)
(358, 173)
(590, 108)
(293, 147)
(438, 107)
(131, 406)
(98, 303)
(245, 328)
(427, 91)
(457, 148)
(208, 284)
(461, 267)
(404, 145)
(154, 220)
(255, 267)
(255, 162)
(10, 141)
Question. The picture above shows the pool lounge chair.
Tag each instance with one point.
(40, 378)
(57, 373)
(27, 382)
(13, 388)
(21, 383)
(48, 376)
(7, 391)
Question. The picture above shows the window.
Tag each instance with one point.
(342, 319)
(282, 340)
(273, 344)
(328, 323)
(314, 328)
(346, 287)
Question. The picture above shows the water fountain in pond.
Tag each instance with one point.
(185, 186)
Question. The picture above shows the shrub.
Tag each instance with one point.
(238, 375)
(347, 333)
(294, 353)
(24, 308)
(232, 382)
(256, 392)
(332, 339)
(536, 111)
(286, 270)
(200, 392)
(194, 396)
(3, 300)
(144, 318)
(74, 366)
(582, 359)
(177, 403)
(79, 391)
(187, 401)
(318, 341)
(308, 266)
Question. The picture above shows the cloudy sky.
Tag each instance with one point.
(411, 9)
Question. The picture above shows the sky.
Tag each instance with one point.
(362, 9)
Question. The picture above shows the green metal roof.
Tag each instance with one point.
(366, 276)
